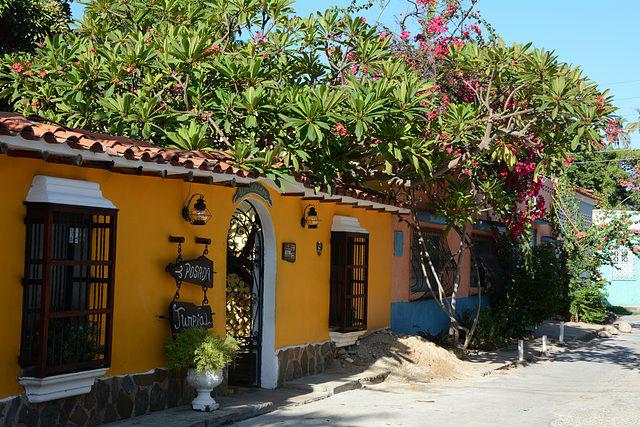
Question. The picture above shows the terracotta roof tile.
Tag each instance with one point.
(34, 128)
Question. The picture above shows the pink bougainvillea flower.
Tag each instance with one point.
(437, 25)
(568, 162)
(580, 235)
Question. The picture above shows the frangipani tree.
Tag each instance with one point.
(328, 95)
(248, 77)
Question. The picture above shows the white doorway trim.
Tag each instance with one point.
(268, 357)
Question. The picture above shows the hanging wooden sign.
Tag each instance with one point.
(198, 271)
(185, 315)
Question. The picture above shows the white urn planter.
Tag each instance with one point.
(204, 382)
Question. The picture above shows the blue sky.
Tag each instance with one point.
(599, 36)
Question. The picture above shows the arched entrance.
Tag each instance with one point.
(245, 293)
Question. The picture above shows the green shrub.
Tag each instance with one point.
(533, 288)
(588, 302)
(198, 348)
(491, 331)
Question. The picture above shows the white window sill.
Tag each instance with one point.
(60, 386)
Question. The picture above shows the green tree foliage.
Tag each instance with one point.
(633, 126)
(531, 293)
(327, 94)
(586, 248)
(607, 172)
(24, 23)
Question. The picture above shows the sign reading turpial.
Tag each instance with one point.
(186, 315)
(198, 271)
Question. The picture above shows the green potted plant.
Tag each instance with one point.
(205, 355)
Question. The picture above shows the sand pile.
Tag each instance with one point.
(405, 357)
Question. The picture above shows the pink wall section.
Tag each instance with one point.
(401, 265)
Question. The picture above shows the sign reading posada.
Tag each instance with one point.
(198, 271)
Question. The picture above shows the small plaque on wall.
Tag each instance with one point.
(289, 252)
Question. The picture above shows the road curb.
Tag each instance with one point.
(331, 388)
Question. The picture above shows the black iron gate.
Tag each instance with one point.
(245, 268)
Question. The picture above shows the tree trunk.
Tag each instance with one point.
(428, 270)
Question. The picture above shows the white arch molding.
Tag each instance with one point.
(268, 357)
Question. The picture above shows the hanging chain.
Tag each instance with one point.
(178, 282)
(205, 300)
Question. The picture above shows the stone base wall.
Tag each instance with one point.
(296, 362)
(110, 399)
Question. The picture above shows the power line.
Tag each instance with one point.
(604, 161)
(615, 150)
(619, 83)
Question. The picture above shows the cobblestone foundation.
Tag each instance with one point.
(296, 362)
(110, 399)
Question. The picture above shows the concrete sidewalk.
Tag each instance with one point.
(254, 402)
(506, 358)
(572, 330)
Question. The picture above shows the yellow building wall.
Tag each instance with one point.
(149, 212)
(302, 292)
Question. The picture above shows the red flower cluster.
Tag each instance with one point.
(214, 48)
(19, 68)
(340, 129)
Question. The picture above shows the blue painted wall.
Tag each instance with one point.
(411, 317)
(622, 292)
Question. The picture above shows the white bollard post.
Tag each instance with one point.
(561, 340)
(544, 343)
(520, 350)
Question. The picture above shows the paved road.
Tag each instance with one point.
(594, 383)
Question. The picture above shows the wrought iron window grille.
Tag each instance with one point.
(441, 258)
(68, 288)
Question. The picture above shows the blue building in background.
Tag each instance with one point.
(624, 275)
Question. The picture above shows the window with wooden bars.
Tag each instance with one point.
(68, 285)
(349, 281)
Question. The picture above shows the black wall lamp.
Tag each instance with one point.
(310, 217)
(199, 215)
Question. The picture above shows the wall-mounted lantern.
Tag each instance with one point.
(199, 214)
(310, 217)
